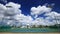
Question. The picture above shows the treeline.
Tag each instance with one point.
(5, 27)
(34, 26)
(55, 26)
(41, 26)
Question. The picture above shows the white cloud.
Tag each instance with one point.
(8, 11)
(13, 8)
(39, 10)
(53, 13)
(51, 18)
(42, 21)
(24, 19)
(10, 14)
(54, 16)
(38, 21)
(14, 5)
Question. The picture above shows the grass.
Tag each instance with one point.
(30, 30)
(41, 29)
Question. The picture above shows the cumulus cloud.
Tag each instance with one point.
(38, 21)
(46, 22)
(10, 14)
(39, 10)
(13, 8)
(14, 5)
(51, 16)
(8, 11)
(23, 19)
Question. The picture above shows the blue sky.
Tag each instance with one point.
(27, 4)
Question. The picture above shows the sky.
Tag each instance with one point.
(27, 4)
(29, 12)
